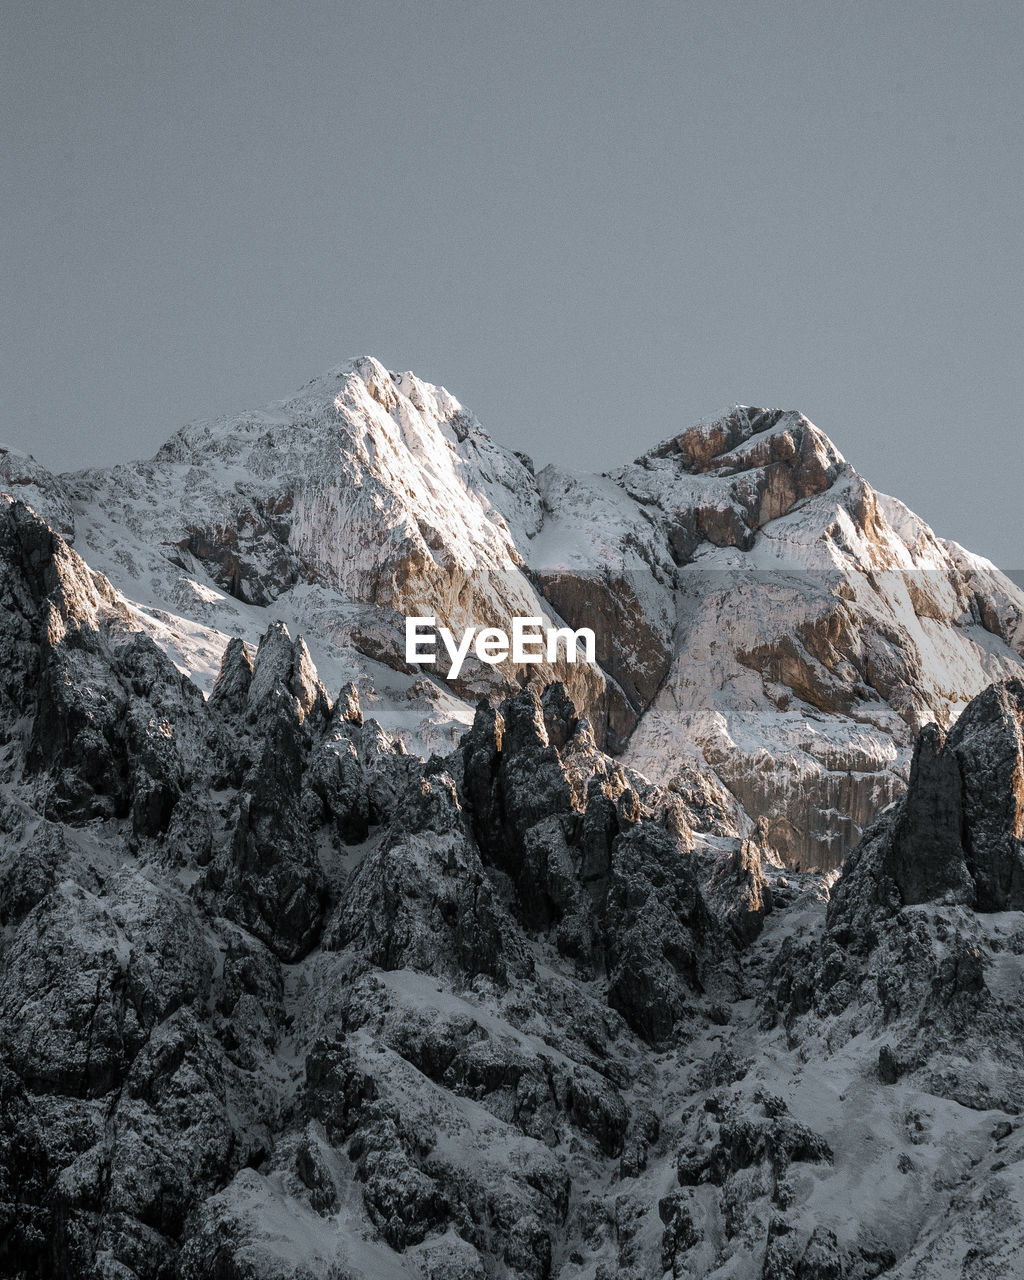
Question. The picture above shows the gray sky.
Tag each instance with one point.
(593, 222)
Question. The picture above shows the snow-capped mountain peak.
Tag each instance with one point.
(754, 599)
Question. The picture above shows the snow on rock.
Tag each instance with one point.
(280, 999)
(764, 619)
(28, 481)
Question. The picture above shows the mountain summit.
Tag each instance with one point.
(770, 630)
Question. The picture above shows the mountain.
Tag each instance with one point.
(771, 632)
(316, 966)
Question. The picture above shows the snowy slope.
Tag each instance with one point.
(764, 619)
(817, 624)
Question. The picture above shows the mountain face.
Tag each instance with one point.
(770, 631)
(314, 965)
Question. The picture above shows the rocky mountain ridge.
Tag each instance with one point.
(771, 632)
(280, 1000)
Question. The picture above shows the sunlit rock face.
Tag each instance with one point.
(764, 620)
(799, 627)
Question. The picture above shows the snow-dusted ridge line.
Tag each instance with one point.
(752, 594)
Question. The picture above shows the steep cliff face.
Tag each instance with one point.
(797, 628)
(764, 620)
(279, 999)
(817, 625)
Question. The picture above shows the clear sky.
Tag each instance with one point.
(593, 222)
